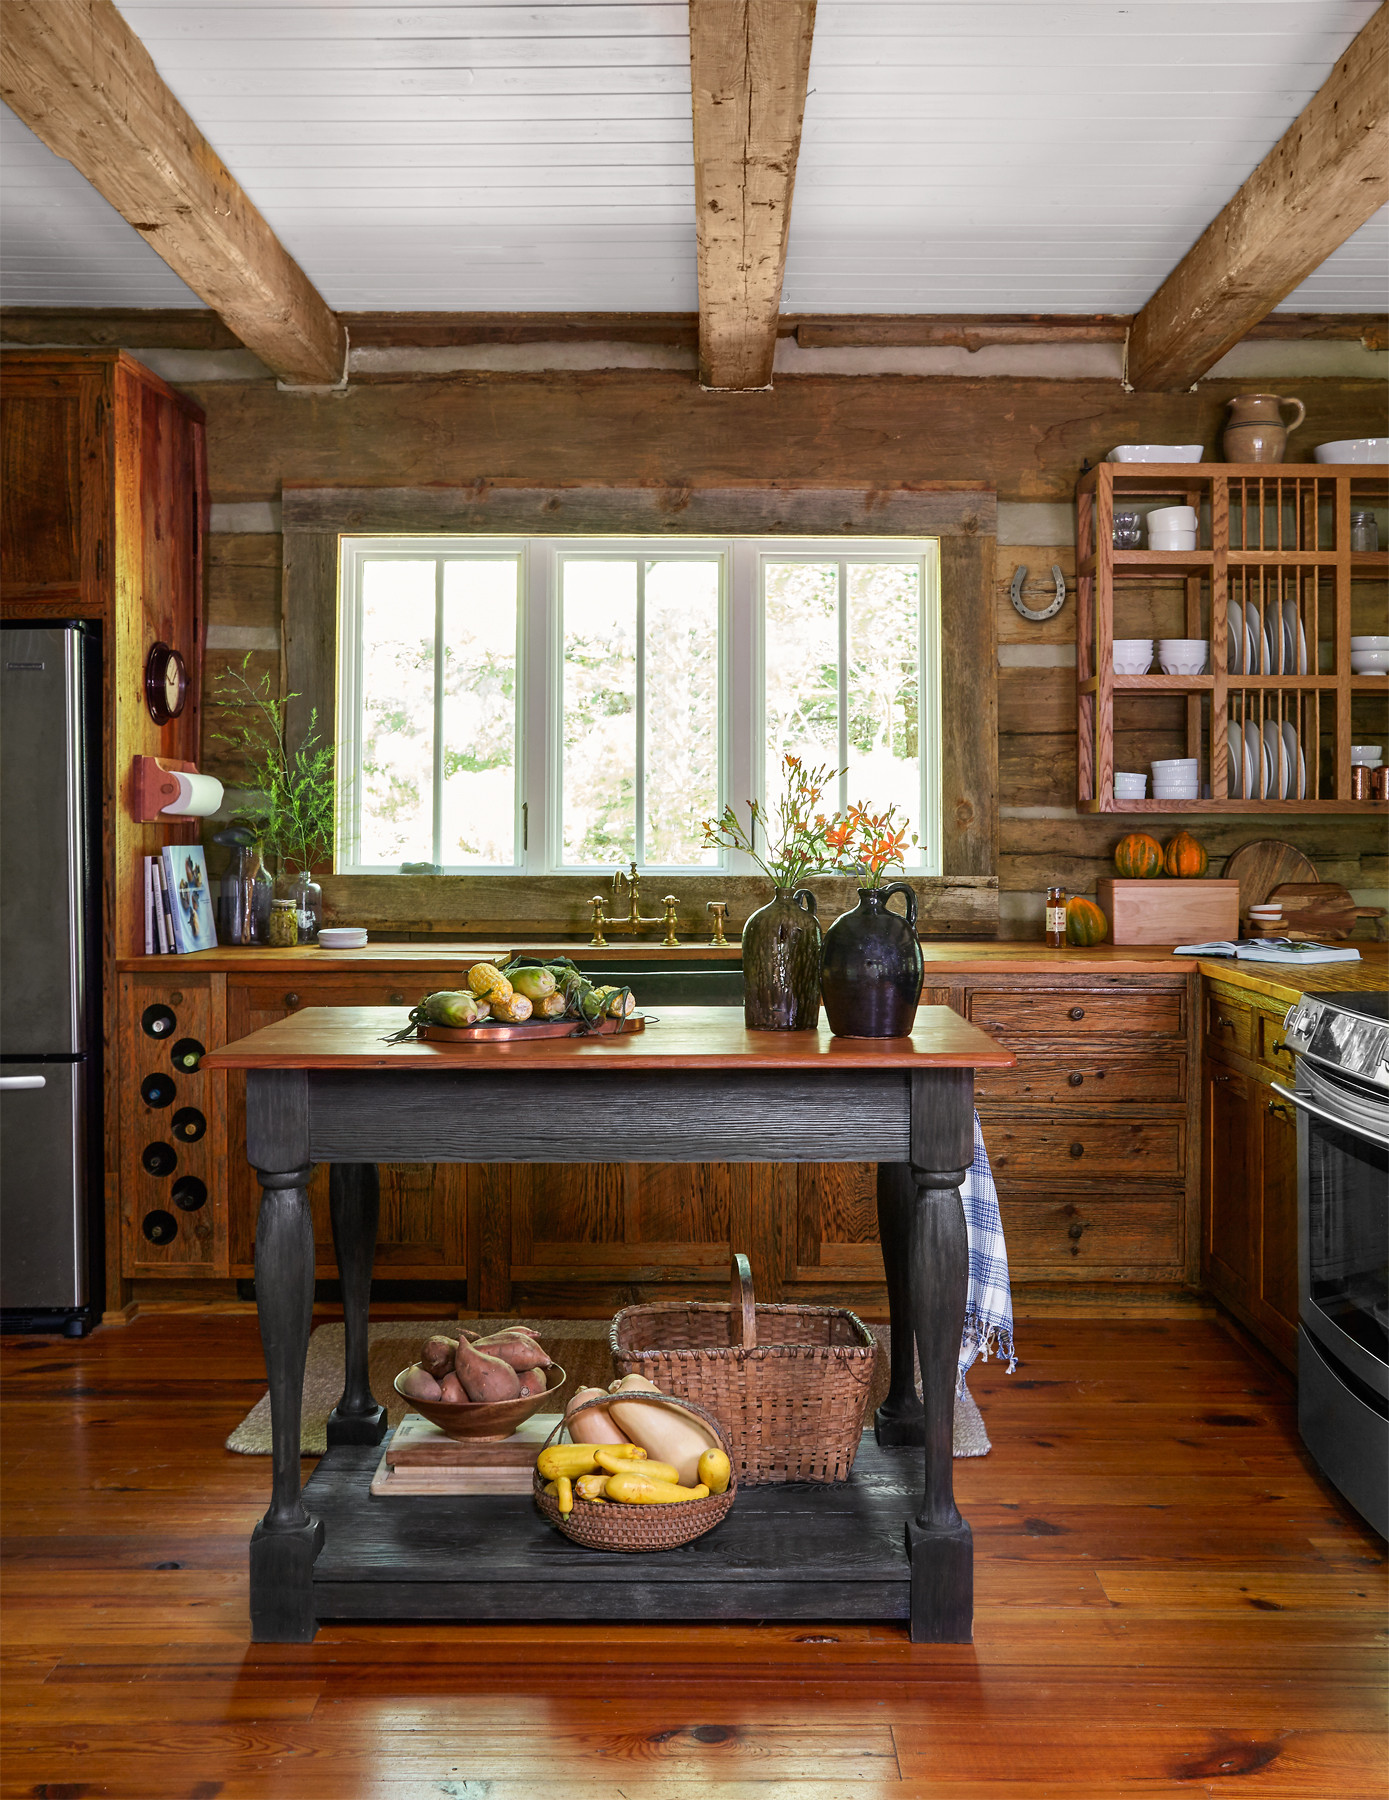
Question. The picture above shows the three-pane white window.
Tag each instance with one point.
(542, 705)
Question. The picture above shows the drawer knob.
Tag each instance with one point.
(1075, 1231)
(1077, 1012)
(1076, 1080)
(396, 999)
(1077, 1150)
(1224, 1023)
(1279, 1111)
(291, 999)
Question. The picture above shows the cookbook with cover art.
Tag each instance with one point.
(190, 897)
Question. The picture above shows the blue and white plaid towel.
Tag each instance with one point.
(989, 1310)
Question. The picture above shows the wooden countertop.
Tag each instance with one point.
(687, 1037)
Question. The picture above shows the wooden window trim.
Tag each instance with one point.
(962, 515)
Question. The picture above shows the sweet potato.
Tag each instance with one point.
(436, 1358)
(515, 1347)
(533, 1381)
(418, 1384)
(451, 1391)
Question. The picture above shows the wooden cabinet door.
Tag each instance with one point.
(1230, 1179)
(1274, 1302)
(423, 1234)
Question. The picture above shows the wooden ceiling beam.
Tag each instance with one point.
(749, 61)
(1326, 175)
(84, 83)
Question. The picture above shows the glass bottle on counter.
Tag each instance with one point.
(1056, 918)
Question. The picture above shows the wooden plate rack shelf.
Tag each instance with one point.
(1276, 543)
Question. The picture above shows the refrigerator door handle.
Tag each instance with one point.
(9, 1082)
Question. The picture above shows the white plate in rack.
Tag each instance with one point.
(1234, 781)
(1277, 771)
(1293, 752)
(1234, 626)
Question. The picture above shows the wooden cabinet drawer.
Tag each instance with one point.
(1229, 1026)
(1085, 1149)
(280, 994)
(1273, 1051)
(1082, 1236)
(1128, 1012)
(1085, 1078)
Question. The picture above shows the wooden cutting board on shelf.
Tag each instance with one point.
(1264, 865)
(1321, 908)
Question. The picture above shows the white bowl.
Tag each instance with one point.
(1173, 518)
(1172, 540)
(1353, 450)
(1158, 453)
(1368, 754)
(1123, 667)
(1177, 762)
(1137, 644)
(342, 937)
(1369, 643)
(1182, 665)
(1369, 662)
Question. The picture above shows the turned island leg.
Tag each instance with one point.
(287, 1540)
(899, 1420)
(354, 1203)
(938, 1539)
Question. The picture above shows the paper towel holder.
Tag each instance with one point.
(153, 787)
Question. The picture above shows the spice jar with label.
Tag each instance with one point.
(284, 924)
(1056, 918)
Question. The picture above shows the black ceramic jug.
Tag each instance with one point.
(781, 964)
(871, 967)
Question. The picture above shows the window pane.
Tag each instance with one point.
(682, 710)
(478, 816)
(800, 636)
(397, 779)
(599, 816)
(884, 688)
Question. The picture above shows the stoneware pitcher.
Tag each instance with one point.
(781, 964)
(1255, 431)
(871, 967)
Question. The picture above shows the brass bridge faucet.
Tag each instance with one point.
(633, 923)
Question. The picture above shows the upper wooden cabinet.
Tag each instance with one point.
(102, 516)
(1275, 592)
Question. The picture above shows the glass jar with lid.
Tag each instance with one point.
(1364, 531)
(284, 924)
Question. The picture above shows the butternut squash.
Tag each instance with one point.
(666, 1432)
(594, 1426)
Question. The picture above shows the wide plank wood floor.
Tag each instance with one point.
(1169, 1603)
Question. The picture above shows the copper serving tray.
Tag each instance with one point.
(494, 1032)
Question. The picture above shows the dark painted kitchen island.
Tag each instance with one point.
(326, 1086)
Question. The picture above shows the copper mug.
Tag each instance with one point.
(1379, 784)
(1255, 431)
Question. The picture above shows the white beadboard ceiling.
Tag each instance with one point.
(958, 155)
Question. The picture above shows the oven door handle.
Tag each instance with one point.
(1330, 1118)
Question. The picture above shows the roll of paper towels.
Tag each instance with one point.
(198, 795)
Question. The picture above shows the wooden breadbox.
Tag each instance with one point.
(1195, 910)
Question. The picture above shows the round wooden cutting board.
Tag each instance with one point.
(1262, 866)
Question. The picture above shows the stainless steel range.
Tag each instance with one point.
(1341, 1091)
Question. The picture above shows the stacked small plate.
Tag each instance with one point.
(1177, 778)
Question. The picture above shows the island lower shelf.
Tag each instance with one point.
(796, 1552)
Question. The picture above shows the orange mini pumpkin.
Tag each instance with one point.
(1085, 923)
(1183, 855)
(1138, 857)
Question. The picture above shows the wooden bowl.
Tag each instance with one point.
(488, 1418)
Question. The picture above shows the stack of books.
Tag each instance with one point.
(421, 1459)
(178, 902)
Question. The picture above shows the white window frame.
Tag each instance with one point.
(539, 678)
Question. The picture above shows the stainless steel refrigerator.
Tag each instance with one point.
(50, 986)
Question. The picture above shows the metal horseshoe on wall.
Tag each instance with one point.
(1047, 612)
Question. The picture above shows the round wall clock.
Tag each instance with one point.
(166, 684)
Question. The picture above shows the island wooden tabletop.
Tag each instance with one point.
(680, 1037)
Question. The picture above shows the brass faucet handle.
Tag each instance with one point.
(599, 922)
(719, 908)
(669, 941)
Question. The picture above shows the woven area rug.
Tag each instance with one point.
(579, 1346)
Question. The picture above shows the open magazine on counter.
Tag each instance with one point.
(1271, 950)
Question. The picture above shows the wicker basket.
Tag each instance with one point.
(610, 1526)
(789, 1383)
